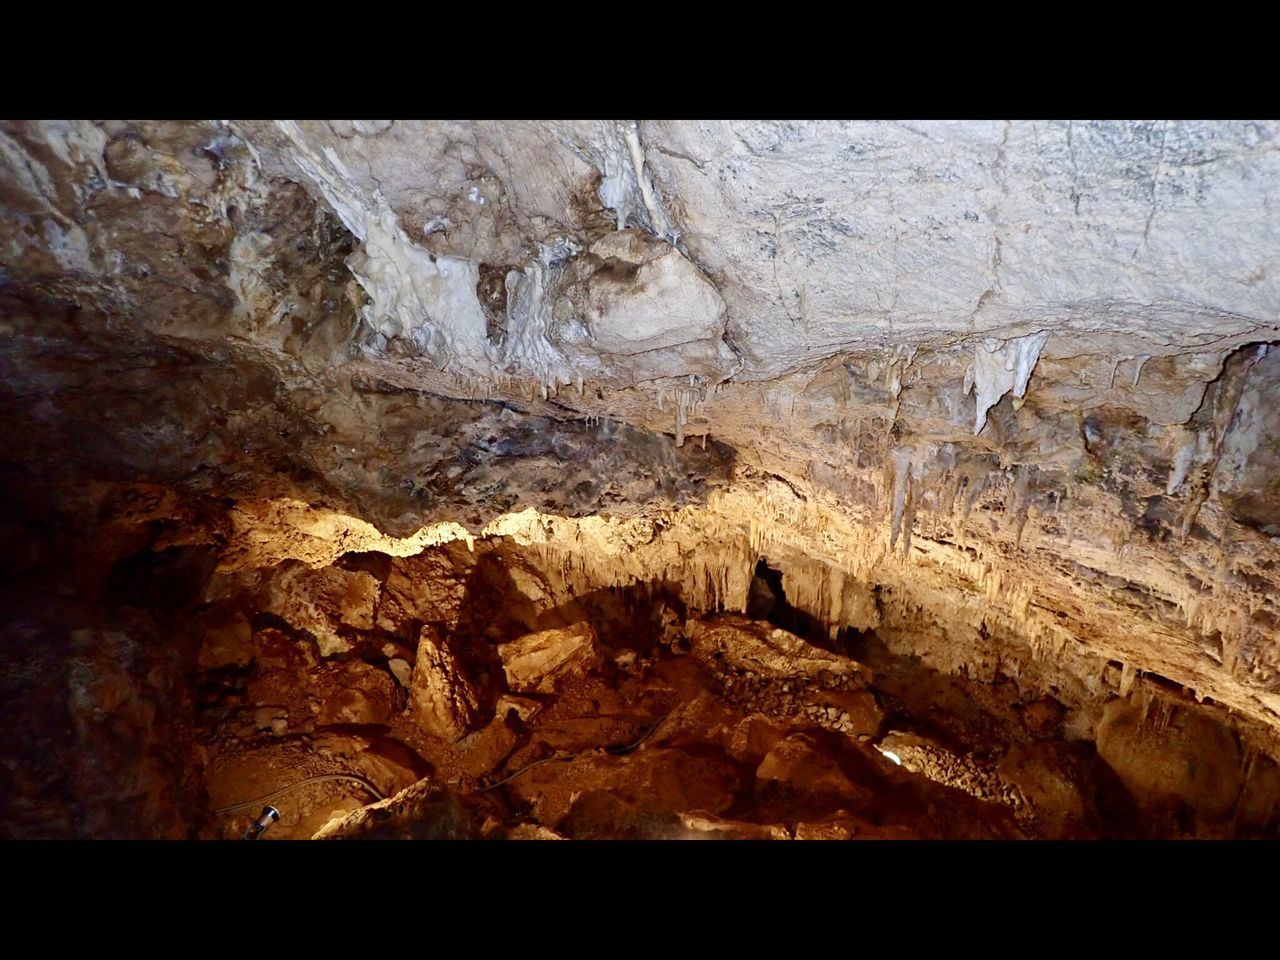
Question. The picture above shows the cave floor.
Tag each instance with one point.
(654, 741)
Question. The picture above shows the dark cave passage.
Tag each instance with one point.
(767, 600)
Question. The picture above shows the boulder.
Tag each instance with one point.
(402, 671)
(797, 764)
(540, 662)
(356, 693)
(328, 603)
(533, 831)
(752, 738)
(421, 811)
(442, 699)
(765, 650)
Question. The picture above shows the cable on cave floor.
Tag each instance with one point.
(245, 804)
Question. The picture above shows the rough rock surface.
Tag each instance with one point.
(763, 668)
(435, 816)
(764, 650)
(539, 662)
(975, 776)
(317, 601)
(795, 764)
(1182, 756)
(441, 696)
(1001, 394)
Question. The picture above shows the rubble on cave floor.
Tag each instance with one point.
(622, 714)
(491, 691)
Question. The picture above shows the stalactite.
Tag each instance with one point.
(1128, 674)
(1137, 371)
(901, 468)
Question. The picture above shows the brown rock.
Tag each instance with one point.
(1046, 776)
(421, 811)
(1185, 756)
(1044, 716)
(799, 765)
(753, 738)
(441, 697)
(845, 826)
(524, 707)
(605, 790)
(762, 649)
(265, 717)
(533, 831)
(356, 692)
(401, 670)
(323, 602)
(1260, 799)
(227, 644)
(421, 588)
(539, 662)
(702, 826)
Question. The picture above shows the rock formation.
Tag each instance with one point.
(456, 452)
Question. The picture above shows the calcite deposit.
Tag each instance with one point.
(640, 478)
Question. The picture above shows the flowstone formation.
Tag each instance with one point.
(640, 478)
